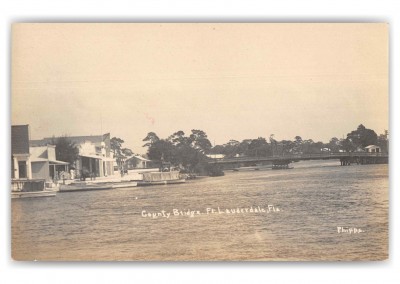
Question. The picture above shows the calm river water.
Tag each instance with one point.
(303, 209)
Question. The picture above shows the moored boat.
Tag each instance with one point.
(29, 188)
(282, 167)
(31, 194)
(83, 186)
(161, 178)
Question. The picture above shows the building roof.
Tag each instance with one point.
(216, 156)
(76, 139)
(43, 160)
(371, 147)
(138, 157)
(58, 162)
(20, 139)
(91, 156)
(83, 139)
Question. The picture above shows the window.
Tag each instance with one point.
(22, 169)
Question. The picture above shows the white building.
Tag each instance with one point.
(216, 156)
(95, 156)
(44, 164)
(137, 162)
(373, 149)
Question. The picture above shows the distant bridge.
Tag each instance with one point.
(346, 158)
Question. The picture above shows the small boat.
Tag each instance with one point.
(125, 184)
(161, 178)
(32, 194)
(97, 186)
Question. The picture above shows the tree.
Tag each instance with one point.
(162, 150)
(199, 140)
(178, 149)
(287, 146)
(243, 147)
(362, 137)
(126, 152)
(334, 144)
(317, 147)
(347, 145)
(119, 153)
(66, 150)
(233, 143)
(150, 139)
(178, 138)
(383, 141)
(214, 170)
(308, 146)
(298, 145)
(116, 144)
(298, 140)
(219, 149)
(189, 157)
(258, 148)
(273, 144)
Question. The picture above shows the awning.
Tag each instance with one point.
(37, 160)
(58, 162)
(53, 162)
(92, 157)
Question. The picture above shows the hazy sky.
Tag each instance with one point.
(234, 81)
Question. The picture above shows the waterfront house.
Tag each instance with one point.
(95, 156)
(44, 164)
(21, 170)
(137, 162)
(20, 156)
(373, 149)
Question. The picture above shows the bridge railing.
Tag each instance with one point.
(301, 156)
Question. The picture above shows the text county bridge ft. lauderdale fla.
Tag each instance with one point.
(345, 158)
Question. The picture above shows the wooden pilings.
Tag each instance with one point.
(281, 164)
(347, 161)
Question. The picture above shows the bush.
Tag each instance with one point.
(214, 170)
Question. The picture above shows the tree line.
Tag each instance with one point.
(356, 140)
(188, 152)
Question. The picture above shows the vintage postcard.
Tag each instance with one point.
(200, 141)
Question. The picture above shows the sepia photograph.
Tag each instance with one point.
(199, 141)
